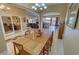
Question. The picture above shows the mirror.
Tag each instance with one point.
(78, 19)
(16, 23)
(72, 16)
(7, 24)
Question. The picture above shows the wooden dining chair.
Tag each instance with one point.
(18, 49)
(39, 33)
(46, 49)
(16, 37)
(27, 32)
(48, 45)
(41, 53)
(50, 41)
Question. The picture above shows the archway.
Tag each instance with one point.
(50, 19)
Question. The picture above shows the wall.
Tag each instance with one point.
(59, 8)
(71, 41)
(2, 41)
(14, 11)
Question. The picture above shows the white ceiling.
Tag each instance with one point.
(26, 5)
(51, 14)
(29, 5)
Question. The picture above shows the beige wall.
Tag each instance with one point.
(60, 8)
(15, 11)
(71, 40)
(2, 41)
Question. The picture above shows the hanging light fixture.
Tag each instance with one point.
(39, 7)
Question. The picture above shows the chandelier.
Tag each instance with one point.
(4, 8)
(38, 7)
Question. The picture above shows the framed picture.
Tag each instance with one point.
(78, 20)
(72, 16)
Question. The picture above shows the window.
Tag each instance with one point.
(11, 23)
(32, 20)
(16, 23)
(7, 24)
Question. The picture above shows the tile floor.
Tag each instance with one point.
(57, 46)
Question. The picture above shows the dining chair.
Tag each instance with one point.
(39, 33)
(41, 53)
(46, 49)
(50, 41)
(27, 32)
(18, 49)
(16, 37)
(48, 45)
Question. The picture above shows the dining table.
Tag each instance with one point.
(34, 45)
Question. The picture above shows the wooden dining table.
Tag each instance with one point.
(34, 46)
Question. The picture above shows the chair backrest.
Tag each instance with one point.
(50, 39)
(52, 36)
(18, 47)
(27, 32)
(16, 37)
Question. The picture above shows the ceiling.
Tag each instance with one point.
(30, 12)
(25, 5)
(29, 5)
(51, 14)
